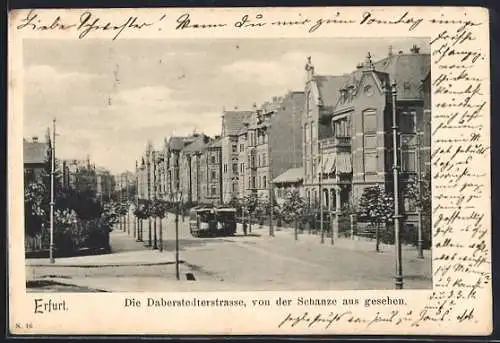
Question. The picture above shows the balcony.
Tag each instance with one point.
(342, 144)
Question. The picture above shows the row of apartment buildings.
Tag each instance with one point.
(330, 140)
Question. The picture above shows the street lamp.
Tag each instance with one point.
(271, 198)
(419, 203)
(398, 277)
(178, 197)
(320, 181)
(52, 171)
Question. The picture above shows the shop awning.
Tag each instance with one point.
(330, 166)
(344, 163)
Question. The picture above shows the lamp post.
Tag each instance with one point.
(270, 184)
(128, 204)
(177, 208)
(52, 171)
(420, 242)
(398, 277)
(148, 172)
(155, 241)
(320, 181)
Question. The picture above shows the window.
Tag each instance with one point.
(264, 182)
(264, 161)
(370, 142)
(242, 147)
(369, 121)
(234, 187)
(225, 168)
(242, 167)
(408, 120)
(409, 204)
(235, 168)
(309, 103)
(213, 191)
(213, 176)
(212, 159)
(234, 148)
(341, 128)
(370, 159)
(253, 182)
(408, 160)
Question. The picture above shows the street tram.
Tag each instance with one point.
(226, 221)
(212, 221)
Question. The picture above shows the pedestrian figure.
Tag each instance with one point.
(244, 228)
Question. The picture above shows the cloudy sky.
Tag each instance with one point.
(111, 97)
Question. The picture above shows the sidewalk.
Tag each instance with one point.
(125, 252)
(359, 244)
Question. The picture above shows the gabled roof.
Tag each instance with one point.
(234, 121)
(216, 143)
(329, 87)
(198, 144)
(408, 70)
(35, 152)
(178, 143)
(290, 176)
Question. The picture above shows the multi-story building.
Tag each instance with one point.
(70, 169)
(356, 150)
(211, 173)
(105, 184)
(172, 165)
(190, 173)
(321, 93)
(270, 143)
(35, 158)
(232, 123)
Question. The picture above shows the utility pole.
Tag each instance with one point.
(148, 172)
(270, 183)
(136, 219)
(398, 277)
(52, 172)
(128, 204)
(320, 181)
(155, 241)
(419, 207)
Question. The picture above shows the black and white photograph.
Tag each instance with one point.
(162, 165)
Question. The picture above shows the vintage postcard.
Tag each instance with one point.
(249, 171)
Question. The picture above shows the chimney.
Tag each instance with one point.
(415, 49)
(309, 68)
(217, 136)
(34, 139)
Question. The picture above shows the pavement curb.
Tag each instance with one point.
(104, 265)
(59, 283)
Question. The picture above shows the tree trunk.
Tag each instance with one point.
(377, 237)
(161, 234)
(296, 230)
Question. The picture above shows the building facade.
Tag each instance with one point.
(190, 172)
(36, 157)
(211, 173)
(232, 123)
(356, 151)
(289, 181)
